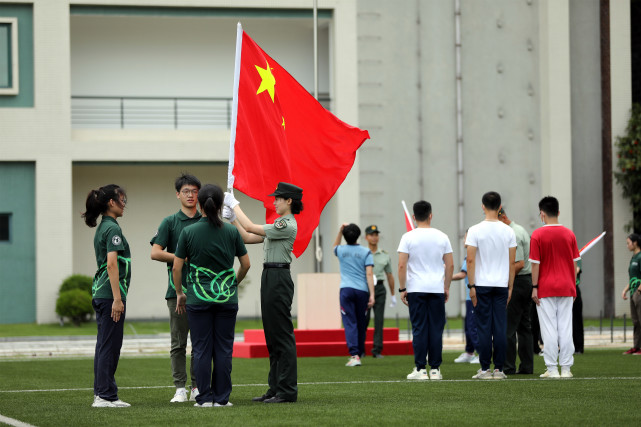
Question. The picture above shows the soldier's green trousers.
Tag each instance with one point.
(276, 294)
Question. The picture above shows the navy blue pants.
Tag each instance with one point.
(212, 339)
(491, 325)
(354, 313)
(108, 345)
(427, 313)
(471, 337)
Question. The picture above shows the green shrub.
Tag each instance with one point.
(74, 304)
(77, 281)
(628, 173)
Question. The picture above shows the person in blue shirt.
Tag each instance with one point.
(357, 289)
(471, 339)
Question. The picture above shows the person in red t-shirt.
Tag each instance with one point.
(553, 254)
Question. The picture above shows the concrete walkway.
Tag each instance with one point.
(142, 345)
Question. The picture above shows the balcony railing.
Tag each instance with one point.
(148, 112)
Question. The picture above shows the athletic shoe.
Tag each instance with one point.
(193, 394)
(475, 359)
(498, 375)
(637, 353)
(204, 405)
(565, 373)
(465, 357)
(120, 404)
(99, 402)
(180, 396)
(418, 374)
(435, 374)
(354, 361)
(378, 356)
(551, 373)
(218, 405)
(483, 375)
(631, 351)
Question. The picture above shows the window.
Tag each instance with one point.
(8, 56)
(4, 226)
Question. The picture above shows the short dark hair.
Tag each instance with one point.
(186, 179)
(491, 200)
(351, 233)
(297, 206)
(550, 206)
(422, 210)
(635, 238)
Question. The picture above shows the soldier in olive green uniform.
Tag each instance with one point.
(382, 269)
(277, 287)
(166, 237)
(109, 290)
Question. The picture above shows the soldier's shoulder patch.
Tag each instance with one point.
(280, 224)
(384, 251)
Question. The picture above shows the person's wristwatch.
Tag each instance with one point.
(470, 286)
(402, 290)
(535, 286)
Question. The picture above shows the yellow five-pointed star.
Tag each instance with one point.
(283, 125)
(268, 81)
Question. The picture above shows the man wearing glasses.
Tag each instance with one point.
(163, 245)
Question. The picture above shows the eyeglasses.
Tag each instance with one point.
(188, 192)
(123, 201)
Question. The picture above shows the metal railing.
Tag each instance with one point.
(151, 112)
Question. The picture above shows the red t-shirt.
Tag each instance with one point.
(554, 248)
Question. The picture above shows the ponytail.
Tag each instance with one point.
(97, 202)
(210, 198)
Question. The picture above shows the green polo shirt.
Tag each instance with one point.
(211, 252)
(382, 264)
(109, 238)
(635, 272)
(167, 237)
(522, 248)
(279, 239)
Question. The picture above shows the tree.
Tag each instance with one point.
(628, 173)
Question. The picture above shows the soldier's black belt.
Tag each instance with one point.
(380, 282)
(276, 265)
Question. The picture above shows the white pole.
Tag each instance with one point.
(459, 140)
(234, 107)
(319, 250)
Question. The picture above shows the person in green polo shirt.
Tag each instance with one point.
(211, 297)
(163, 245)
(276, 286)
(109, 291)
(634, 290)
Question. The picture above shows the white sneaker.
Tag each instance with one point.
(99, 402)
(418, 375)
(483, 375)
(193, 394)
(120, 404)
(354, 361)
(435, 374)
(204, 405)
(216, 405)
(550, 373)
(475, 359)
(565, 373)
(465, 357)
(498, 375)
(180, 396)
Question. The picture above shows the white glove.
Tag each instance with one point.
(393, 303)
(230, 200)
(228, 214)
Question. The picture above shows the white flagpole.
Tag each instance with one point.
(319, 250)
(234, 107)
(407, 214)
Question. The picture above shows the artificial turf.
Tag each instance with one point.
(603, 392)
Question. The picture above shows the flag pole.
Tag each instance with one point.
(319, 251)
(234, 107)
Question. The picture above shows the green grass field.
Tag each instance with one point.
(57, 392)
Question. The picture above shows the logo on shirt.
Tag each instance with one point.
(280, 224)
(116, 240)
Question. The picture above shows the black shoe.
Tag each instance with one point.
(520, 372)
(377, 356)
(276, 399)
(262, 398)
(509, 371)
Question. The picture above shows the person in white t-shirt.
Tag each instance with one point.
(425, 268)
(491, 250)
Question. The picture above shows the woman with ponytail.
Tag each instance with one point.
(210, 297)
(109, 291)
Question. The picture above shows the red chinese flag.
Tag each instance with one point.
(283, 134)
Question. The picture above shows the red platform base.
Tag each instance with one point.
(321, 343)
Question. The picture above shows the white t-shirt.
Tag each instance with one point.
(492, 240)
(425, 268)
